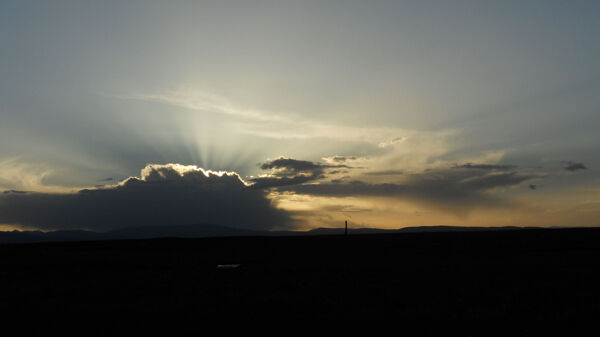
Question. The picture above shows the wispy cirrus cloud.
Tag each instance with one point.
(281, 126)
(203, 101)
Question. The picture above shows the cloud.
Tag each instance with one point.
(385, 173)
(191, 99)
(18, 175)
(281, 125)
(162, 195)
(572, 166)
(391, 142)
(456, 190)
(339, 159)
(289, 171)
(487, 167)
(293, 165)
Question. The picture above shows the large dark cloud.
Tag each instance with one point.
(163, 195)
(289, 171)
(572, 166)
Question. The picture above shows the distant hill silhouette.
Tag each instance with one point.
(55, 236)
(208, 230)
(181, 231)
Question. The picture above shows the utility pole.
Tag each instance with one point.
(346, 229)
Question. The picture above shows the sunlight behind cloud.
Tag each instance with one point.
(165, 172)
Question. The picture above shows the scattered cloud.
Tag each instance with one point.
(452, 189)
(487, 167)
(293, 165)
(572, 166)
(289, 171)
(339, 159)
(385, 173)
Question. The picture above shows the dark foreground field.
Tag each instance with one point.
(524, 274)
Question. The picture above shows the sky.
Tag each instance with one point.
(299, 114)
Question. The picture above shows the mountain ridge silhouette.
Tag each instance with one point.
(211, 230)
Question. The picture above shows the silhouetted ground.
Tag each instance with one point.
(497, 275)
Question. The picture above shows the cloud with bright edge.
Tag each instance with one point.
(170, 194)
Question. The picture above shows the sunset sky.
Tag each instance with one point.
(299, 114)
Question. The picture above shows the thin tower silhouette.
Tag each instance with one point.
(346, 228)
